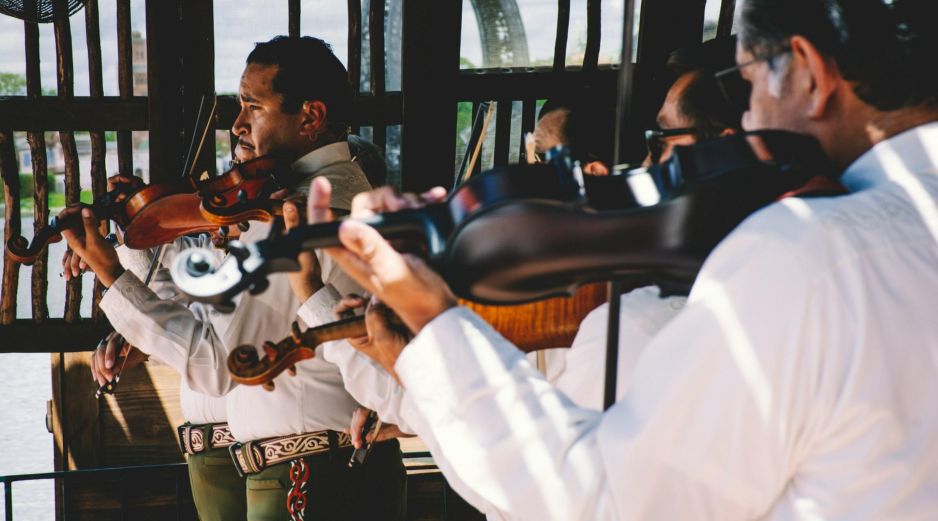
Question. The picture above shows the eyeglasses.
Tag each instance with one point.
(654, 140)
(737, 90)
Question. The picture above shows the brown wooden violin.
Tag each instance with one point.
(531, 327)
(243, 193)
(149, 215)
(522, 233)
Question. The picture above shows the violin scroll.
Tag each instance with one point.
(248, 368)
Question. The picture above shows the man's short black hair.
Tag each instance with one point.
(307, 71)
(703, 102)
(886, 47)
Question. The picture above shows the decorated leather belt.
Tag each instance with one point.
(257, 455)
(194, 439)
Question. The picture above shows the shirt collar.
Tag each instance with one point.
(912, 152)
(321, 157)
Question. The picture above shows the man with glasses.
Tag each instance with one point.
(696, 106)
(800, 381)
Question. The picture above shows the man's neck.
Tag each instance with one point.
(865, 127)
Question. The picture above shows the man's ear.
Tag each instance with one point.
(820, 75)
(314, 119)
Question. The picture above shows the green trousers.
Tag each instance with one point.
(374, 491)
(217, 489)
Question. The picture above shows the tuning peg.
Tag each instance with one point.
(268, 386)
(292, 370)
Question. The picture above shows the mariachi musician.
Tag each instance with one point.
(295, 106)
(799, 382)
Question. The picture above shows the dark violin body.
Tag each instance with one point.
(526, 232)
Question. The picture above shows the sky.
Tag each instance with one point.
(239, 24)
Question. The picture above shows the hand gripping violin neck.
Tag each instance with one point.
(518, 234)
(149, 216)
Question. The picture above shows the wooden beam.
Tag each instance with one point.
(294, 18)
(366, 110)
(98, 147)
(199, 77)
(355, 45)
(125, 82)
(37, 149)
(430, 50)
(9, 171)
(473, 85)
(593, 34)
(54, 336)
(725, 23)
(78, 113)
(376, 48)
(563, 31)
(502, 130)
(65, 78)
(165, 76)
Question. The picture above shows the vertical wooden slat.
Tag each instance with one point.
(593, 34)
(9, 171)
(725, 23)
(198, 79)
(355, 45)
(98, 147)
(502, 131)
(125, 82)
(166, 85)
(294, 18)
(37, 151)
(563, 30)
(431, 33)
(65, 77)
(376, 41)
(528, 109)
(477, 167)
(355, 50)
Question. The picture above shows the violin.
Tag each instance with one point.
(555, 321)
(243, 193)
(149, 216)
(526, 232)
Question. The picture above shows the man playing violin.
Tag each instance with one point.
(296, 106)
(800, 381)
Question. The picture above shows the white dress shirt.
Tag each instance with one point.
(800, 381)
(196, 340)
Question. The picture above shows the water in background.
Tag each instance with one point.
(25, 387)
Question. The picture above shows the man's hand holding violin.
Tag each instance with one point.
(403, 282)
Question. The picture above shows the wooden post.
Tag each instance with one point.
(431, 50)
(725, 23)
(37, 150)
(355, 51)
(593, 34)
(165, 89)
(65, 77)
(9, 170)
(502, 130)
(376, 38)
(98, 146)
(294, 18)
(125, 82)
(198, 55)
(563, 30)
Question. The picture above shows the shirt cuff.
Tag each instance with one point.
(317, 309)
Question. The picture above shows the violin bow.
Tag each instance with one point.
(202, 125)
(480, 125)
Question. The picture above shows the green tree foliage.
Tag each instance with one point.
(12, 84)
